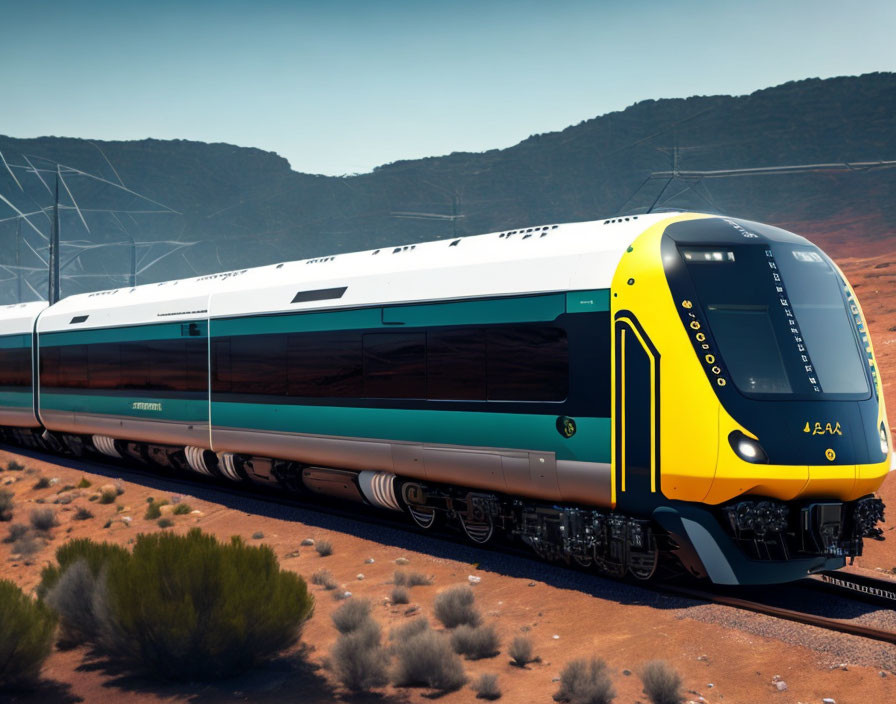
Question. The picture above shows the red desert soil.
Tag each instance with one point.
(566, 617)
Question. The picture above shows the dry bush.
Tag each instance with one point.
(190, 607)
(84, 483)
(182, 509)
(82, 514)
(426, 660)
(520, 651)
(107, 497)
(324, 548)
(409, 630)
(662, 684)
(323, 578)
(585, 682)
(80, 598)
(6, 505)
(455, 607)
(486, 687)
(353, 614)
(26, 637)
(475, 642)
(15, 531)
(358, 658)
(42, 483)
(153, 509)
(14, 466)
(27, 545)
(403, 578)
(165, 523)
(43, 519)
(400, 595)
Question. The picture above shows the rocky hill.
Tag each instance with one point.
(242, 206)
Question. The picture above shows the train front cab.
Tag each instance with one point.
(749, 418)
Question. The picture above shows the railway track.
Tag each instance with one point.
(844, 584)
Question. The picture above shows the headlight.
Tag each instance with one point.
(748, 449)
(884, 443)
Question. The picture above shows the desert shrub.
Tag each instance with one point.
(323, 578)
(353, 614)
(662, 684)
(14, 466)
(399, 595)
(426, 660)
(403, 578)
(475, 642)
(82, 514)
(67, 487)
(96, 555)
(454, 607)
(42, 483)
(486, 687)
(184, 608)
(80, 599)
(257, 535)
(6, 505)
(585, 682)
(154, 509)
(107, 497)
(520, 651)
(26, 545)
(15, 531)
(408, 630)
(26, 636)
(324, 548)
(358, 658)
(165, 523)
(307, 542)
(182, 509)
(43, 519)
(84, 483)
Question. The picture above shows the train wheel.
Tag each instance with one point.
(478, 532)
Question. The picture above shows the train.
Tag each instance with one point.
(648, 396)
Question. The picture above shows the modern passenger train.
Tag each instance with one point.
(640, 394)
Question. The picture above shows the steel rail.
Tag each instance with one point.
(830, 624)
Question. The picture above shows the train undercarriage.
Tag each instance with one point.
(778, 540)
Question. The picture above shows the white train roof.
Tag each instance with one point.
(18, 318)
(566, 257)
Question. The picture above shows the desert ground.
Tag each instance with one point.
(723, 655)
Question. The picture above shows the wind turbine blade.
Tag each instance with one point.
(23, 216)
(11, 173)
(37, 173)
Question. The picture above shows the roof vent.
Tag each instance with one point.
(455, 243)
(321, 294)
(79, 319)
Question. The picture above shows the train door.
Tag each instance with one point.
(636, 415)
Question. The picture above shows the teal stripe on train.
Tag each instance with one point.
(145, 407)
(16, 399)
(15, 342)
(133, 333)
(500, 310)
(508, 430)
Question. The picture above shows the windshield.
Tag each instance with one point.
(780, 319)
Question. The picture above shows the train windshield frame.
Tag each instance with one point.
(782, 320)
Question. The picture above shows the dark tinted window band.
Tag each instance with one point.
(321, 294)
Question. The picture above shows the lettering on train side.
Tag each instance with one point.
(819, 428)
(146, 406)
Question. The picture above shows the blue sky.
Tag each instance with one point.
(342, 86)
